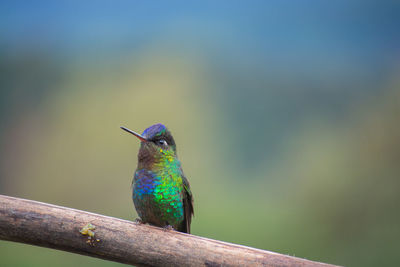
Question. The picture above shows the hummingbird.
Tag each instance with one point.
(161, 192)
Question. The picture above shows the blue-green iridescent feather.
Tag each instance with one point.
(161, 192)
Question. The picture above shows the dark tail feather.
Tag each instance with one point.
(184, 227)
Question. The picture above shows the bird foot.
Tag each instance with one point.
(138, 221)
(168, 228)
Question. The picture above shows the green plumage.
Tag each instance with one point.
(161, 192)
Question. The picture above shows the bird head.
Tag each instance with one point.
(156, 145)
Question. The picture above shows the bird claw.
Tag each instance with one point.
(168, 228)
(138, 221)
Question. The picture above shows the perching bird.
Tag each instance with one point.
(161, 192)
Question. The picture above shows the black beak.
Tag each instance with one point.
(141, 138)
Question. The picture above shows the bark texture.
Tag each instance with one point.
(62, 228)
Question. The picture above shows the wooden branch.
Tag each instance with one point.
(123, 241)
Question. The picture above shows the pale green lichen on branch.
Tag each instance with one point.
(88, 230)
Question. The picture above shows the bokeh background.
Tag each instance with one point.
(286, 115)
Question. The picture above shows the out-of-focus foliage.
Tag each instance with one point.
(285, 118)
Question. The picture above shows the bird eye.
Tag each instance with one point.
(162, 142)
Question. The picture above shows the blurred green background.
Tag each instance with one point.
(286, 115)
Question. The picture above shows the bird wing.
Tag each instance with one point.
(187, 205)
